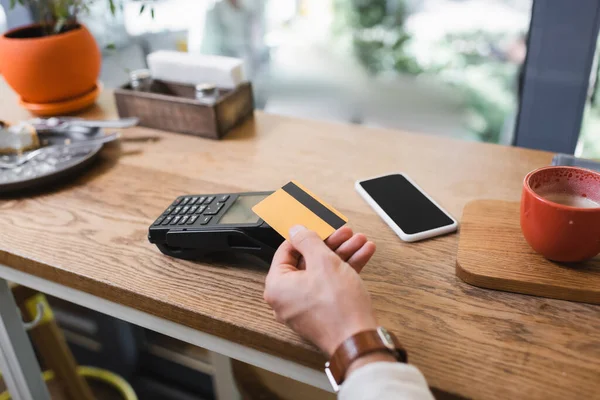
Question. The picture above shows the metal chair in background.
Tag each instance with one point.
(53, 351)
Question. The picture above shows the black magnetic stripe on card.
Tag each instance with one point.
(331, 218)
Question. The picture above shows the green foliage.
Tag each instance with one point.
(467, 62)
(376, 30)
(473, 66)
(57, 16)
(113, 8)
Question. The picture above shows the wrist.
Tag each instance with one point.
(381, 356)
(348, 331)
(360, 349)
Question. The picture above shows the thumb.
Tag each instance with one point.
(307, 243)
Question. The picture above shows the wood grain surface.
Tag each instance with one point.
(493, 253)
(90, 234)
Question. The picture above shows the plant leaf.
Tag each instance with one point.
(113, 8)
(152, 12)
(13, 3)
(142, 8)
(111, 46)
(60, 23)
(62, 10)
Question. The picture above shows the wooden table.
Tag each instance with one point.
(86, 241)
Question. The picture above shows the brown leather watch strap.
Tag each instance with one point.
(359, 345)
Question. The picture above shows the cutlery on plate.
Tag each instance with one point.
(65, 122)
(19, 160)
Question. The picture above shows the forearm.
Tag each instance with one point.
(375, 377)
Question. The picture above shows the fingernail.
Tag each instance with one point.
(296, 229)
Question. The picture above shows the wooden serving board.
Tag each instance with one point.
(492, 253)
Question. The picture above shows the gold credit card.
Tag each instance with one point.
(293, 204)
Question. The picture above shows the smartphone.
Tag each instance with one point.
(405, 207)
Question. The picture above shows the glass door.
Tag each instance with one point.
(500, 71)
(559, 100)
(443, 67)
(588, 145)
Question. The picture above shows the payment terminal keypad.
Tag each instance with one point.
(193, 210)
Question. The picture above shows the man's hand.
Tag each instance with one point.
(314, 287)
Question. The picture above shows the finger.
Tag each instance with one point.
(281, 272)
(285, 259)
(338, 237)
(301, 263)
(351, 246)
(360, 258)
(276, 317)
(308, 243)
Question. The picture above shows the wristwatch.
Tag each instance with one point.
(358, 345)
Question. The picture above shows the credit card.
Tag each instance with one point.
(293, 204)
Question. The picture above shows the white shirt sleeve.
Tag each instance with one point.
(385, 381)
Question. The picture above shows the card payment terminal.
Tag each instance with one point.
(198, 225)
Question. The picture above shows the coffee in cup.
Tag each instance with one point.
(560, 212)
(571, 200)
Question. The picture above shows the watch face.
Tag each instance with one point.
(386, 338)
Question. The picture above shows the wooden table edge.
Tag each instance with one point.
(307, 356)
(529, 289)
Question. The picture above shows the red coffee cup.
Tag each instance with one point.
(560, 213)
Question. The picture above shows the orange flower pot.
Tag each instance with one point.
(49, 69)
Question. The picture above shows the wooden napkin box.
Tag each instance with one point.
(173, 107)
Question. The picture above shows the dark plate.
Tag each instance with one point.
(56, 164)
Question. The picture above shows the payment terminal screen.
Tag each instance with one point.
(241, 210)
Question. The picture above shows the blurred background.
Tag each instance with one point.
(442, 67)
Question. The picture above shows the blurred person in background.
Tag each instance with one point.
(232, 28)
